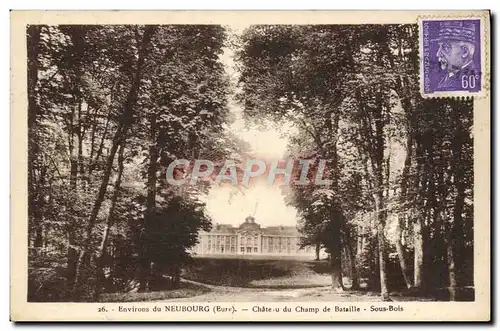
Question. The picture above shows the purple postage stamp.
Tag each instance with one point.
(451, 56)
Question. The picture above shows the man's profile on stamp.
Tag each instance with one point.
(456, 48)
(456, 52)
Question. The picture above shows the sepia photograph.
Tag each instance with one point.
(249, 162)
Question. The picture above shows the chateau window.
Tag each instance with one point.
(242, 249)
(255, 249)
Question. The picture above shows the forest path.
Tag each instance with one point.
(241, 294)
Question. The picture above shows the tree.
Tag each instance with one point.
(105, 96)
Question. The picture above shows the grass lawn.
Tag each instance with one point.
(255, 272)
(186, 290)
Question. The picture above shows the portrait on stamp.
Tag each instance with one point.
(453, 48)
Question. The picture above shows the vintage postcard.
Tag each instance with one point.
(250, 166)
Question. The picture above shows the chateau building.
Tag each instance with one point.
(251, 239)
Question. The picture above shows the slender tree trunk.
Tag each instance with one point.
(318, 248)
(72, 256)
(381, 219)
(336, 270)
(352, 264)
(336, 255)
(404, 184)
(73, 153)
(450, 257)
(81, 137)
(74, 139)
(177, 276)
(419, 252)
(35, 199)
(100, 279)
(336, 218)
(77, 290)
(33, 43)
(348, 243)
(150, 202)
(121, 131)
(456, 236)
(36, 207)
(418, 223)
(39, 234)
(380, 202)
(360, 242)
(401, 254)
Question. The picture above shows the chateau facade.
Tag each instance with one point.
(251, 239)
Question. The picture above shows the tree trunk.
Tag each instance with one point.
(418, 244)
(121, 131)
(351, 256)
(380, 202)
(450, 257)
(72, 256)
(360, 243)
(74, 140)
(318, 248)
(381, 218)
(109, 223)
(404, 188)
(401, 254)
(336, 270)
(76, 291)
(177, 276)
(150, 202)
(455, 236)
(354, 270)
(332, 124)
(336, 255)
(33, 42)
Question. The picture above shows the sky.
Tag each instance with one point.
(229, 205)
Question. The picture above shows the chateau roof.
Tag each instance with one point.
(249, 226)
(281, 230)
(270, 230)
(224, 228)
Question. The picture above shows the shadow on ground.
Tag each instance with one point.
(251, 273)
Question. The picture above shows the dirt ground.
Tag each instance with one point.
(325, 293)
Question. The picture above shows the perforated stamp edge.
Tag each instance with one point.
(484, 22)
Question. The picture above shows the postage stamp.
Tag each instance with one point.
(452, 56)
